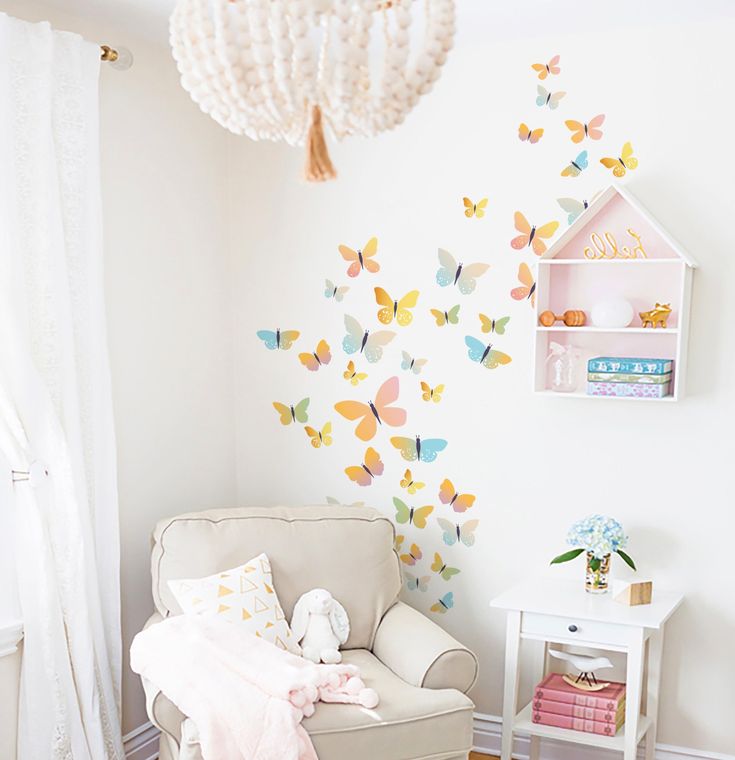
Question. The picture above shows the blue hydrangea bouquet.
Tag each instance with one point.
(600, 537)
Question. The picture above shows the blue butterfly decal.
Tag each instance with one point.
(277, 339)
(484, 354)
(413, 449)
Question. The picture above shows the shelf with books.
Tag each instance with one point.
(623, 253)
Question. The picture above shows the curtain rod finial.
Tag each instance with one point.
(119, 58)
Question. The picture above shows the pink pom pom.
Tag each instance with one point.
(297, 698)
(369, 698)
(354, 685)
(309, 709)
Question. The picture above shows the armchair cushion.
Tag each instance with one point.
(422, 653)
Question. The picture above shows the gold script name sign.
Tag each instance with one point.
(606, 247)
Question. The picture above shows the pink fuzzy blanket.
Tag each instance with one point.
(246, 696)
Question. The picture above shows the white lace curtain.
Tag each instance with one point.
(55, 399)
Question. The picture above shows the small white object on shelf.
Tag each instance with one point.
(612, 312)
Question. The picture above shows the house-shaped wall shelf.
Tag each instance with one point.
(570, 277)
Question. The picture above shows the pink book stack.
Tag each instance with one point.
(557, 703)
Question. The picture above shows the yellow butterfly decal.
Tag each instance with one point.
(319, 437)
(431, 394)
(398, 542)
(352, 375)
(413, 556)
(410, 484)
(450, 317)
(398, 310)
(474, 209)
(626, 161)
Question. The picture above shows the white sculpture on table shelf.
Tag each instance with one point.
(586, 664)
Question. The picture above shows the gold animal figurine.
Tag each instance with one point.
(656, 316)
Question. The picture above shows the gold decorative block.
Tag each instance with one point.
(633, 593)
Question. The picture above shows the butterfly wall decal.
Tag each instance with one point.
(412, 556)
(489, 357)
(444, 604)
(452, 273)
(545, 69)
(440, 567)
(352, 375)
(450, 317)
(412, 365)
(321, 356)
(532, 236)
(575, 167)
(275, 339)
(431, 394)
(320, 437)
(332, 291)
(398, 310)
(550, 99)
(459, 502)
(398, 542)
(474, 209)
(410, 484)
(413, 583)
(361, 258)
(581, 129)
(364, 474)
(626, 161)
(529, 135)
(337, 503)
(493, 325)
(414, 449)
(362, 341)
(453, 532)
(573, 207)
(374, 413)
(409, 515)
(527, 288)
(291, 413)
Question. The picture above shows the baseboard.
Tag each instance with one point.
(487, 742)
(141, 743)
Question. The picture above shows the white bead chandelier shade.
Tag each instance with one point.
(274, 69)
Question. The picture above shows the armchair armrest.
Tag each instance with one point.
(422, 653)
(163, 713)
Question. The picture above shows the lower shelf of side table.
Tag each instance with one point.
(524, 724)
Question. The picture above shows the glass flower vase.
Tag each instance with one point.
(597, 575)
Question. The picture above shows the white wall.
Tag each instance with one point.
(535, 464)
(163, 165)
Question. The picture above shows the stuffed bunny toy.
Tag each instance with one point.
(321, 624)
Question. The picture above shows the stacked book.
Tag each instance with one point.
(558, 703)
(618, 376)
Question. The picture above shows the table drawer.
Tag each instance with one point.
(556, 628)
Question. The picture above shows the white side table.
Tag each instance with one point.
(561, 611)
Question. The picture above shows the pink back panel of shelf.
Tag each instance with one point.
(581, 286)
(616, 217)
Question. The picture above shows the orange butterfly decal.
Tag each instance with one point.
(532, 236)
(619, 165)
(352, 375)
(529, 135)
(373, 414)
(312, 362)
(364, 473)
(361, 258)
(413, 556)
(544, 69)
(320, 437)
(527, 288)
(459, 502)
(590, 129)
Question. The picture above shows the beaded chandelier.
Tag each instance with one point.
(281, 69)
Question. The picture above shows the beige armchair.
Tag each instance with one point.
(420, 672)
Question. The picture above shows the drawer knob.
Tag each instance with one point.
(573, 628)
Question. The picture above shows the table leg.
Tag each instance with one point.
(655, 651)
(510, 692)
(633, 688)
(538, 670)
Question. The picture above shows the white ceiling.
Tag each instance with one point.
(480, 19)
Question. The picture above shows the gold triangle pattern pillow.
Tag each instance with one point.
(245, 595)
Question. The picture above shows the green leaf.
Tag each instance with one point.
(628, 560)
(595, 564)
(566, 557)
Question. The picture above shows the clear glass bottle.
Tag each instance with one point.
(563, 368)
